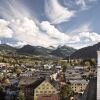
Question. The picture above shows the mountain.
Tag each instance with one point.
(63, 51)
(87, 52)
(33, 50)
(60, 51)
(51, 47)
(5, 47)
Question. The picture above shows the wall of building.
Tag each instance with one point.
(98, 75)
(45, 88)
(78, 87)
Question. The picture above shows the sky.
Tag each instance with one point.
(47, 23)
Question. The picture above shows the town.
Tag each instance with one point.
(35, 78)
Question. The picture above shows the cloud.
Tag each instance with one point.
(90, 36)
(53, 32)
(27, 30)
(84, 4)
(56, 12)
(21, 27)
(5, 31)
(84, 39)
(83, 36)
(82, 28)
(14, 9)
(24, 27)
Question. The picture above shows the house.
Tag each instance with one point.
(58, 67)
(46, 91)
(78, 85)
(90, 92)
(41, 89)
(26, 74)
(47, 66)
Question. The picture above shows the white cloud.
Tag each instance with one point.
(90, 36)
(84, 4)
(13, 9)
(5, 31)
(23, 26)
(83, 36)
(82, 28)
(43, 34)
(84, 39)
(53, 32)
(56, 12)
(26, 30)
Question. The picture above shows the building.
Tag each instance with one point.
(98, 75)
(41, 89)
(90, 91)
(46, 91)
(78, 85)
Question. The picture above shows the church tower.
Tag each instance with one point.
(98, 75)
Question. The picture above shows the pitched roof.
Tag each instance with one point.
(36, 83)
(91, 90)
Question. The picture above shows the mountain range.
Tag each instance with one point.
(60, 51)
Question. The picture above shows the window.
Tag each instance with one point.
(53, 91)
(38, 87)
(36, 91)
(43, 87)
(49, 91)
(41, 91)
(47, 87)
(51, 87)
(45, 91)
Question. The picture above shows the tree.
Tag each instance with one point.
(18, 70)
(20, 95)
(66, 92)
(2, 94)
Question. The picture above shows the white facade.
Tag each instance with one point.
(98, 75)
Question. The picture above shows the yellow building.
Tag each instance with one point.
(44, 89)
(78, 85)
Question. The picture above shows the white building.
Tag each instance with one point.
(98, 75)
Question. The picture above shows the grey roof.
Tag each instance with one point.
(91, 90)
